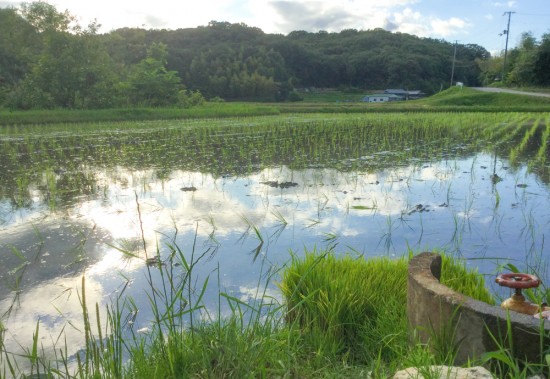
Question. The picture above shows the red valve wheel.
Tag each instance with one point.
(518, 280)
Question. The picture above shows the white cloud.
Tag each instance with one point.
(448, 27)
(509, 4)
(414, 22)
(56, 306)
(272, 16)
(406, 16)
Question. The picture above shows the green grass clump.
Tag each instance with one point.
(357, 307)
(221, 350)
(469, 282)
(348, 305)
(343, 317)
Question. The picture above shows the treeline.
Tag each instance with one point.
(526, 65)
(47, 60)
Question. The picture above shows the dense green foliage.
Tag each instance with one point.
(527, 65)
(343, 304)
(357, 307)
(47, 60)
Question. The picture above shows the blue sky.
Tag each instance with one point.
(465, 21)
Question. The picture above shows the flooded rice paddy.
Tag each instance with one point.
(238, 197)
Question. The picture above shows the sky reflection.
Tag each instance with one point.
(247, 225)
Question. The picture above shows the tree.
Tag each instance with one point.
(523, 70)
(490, 69)
(19, 47)
(45, 18)
(542, 62)
(150, 83)
(72, 69)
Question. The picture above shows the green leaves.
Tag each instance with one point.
(151, 84)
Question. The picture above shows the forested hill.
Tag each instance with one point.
(47, 60)
(218, 59)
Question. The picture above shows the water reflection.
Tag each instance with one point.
(243, 198)
(55, 305)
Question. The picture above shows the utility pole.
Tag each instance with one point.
(453, 69)
(507, 32)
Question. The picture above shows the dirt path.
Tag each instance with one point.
(491, 89)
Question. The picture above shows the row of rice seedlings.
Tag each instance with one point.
(540, 158)
(527, 137)
(246, 145)
(500, 132)
(515, 133)
(208, 110)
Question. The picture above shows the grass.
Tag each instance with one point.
(356, 308)
(470, 97)
(342, 316)
(343, 308)
(208, 110)
(451, 100)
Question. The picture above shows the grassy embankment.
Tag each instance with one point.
(340, 317)
(451, 100)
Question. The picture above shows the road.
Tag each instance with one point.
(492, 89)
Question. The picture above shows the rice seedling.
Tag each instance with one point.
(54, 167)
(529, 134)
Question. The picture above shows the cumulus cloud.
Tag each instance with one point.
(311, 15)
(397, 15)
(414, 22)
(509, 4)
(390, 26)
(272, 16)
(449, 26)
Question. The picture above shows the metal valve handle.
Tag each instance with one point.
(518, 281)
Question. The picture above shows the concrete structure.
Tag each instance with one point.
(444, 372)
(435, 308)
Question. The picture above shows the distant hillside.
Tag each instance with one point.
(218, 58)
(50, 62)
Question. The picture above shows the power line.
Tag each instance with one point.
(532, 14)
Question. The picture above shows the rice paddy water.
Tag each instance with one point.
(237, 198)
